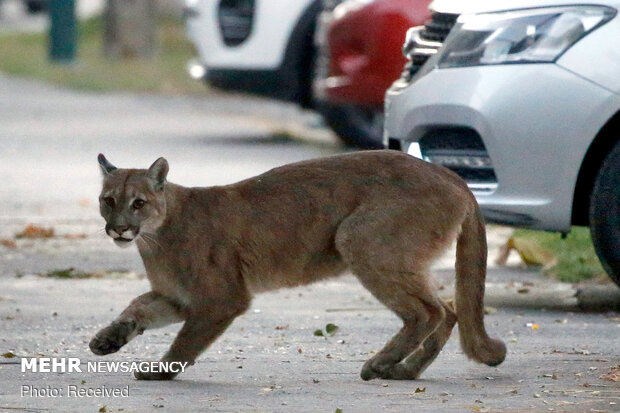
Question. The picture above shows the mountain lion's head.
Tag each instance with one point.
(132, 201)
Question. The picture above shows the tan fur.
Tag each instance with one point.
(381, 214)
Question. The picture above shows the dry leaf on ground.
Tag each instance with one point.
(8, 243)
(75, 236)
(35, 231)
(532, 253)
(613, 375)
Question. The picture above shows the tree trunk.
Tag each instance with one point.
(130, 28)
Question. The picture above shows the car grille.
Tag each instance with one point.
(462, 151)
(427, 41)
(235, 18)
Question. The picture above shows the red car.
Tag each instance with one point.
(359, 45)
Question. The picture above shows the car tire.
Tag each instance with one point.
(605, 214)
(355, 125)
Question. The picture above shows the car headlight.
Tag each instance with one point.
(523, 36)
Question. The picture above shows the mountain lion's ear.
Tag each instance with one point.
(158, 172)
(106, 167)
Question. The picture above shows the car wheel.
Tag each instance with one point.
(605, 214)
(355, 125)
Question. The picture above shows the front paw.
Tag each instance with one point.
(112, 338)
(139, 375)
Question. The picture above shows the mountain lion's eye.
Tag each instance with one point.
(138, 203)
(109, 201)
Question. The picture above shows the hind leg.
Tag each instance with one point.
(390, 249)
(413, 366)
(421, 312)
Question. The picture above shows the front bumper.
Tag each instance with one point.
(535, 123)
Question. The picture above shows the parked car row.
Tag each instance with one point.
(521, 98)
(337, 57)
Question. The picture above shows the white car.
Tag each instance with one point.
(276, 48)
(264, 47)
(522, 100)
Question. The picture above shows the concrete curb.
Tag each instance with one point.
(553, 296)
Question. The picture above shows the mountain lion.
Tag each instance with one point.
(383, 215)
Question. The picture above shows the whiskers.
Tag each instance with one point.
(149, 240)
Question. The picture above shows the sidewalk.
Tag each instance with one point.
(270, 360)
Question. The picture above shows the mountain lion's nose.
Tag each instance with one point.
(120, 229)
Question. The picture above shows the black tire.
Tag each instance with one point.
(355, 125)
(605, 214)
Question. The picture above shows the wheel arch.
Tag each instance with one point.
(299, 54)
(604, 141)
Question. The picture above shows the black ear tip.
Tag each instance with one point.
(101, 158)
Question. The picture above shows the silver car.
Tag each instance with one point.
(522, 100)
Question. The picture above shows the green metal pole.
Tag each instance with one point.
(63, 31)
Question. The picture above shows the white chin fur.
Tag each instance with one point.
(122, 244)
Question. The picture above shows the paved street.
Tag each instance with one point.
(269, 359)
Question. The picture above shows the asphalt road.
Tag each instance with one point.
(269, 359)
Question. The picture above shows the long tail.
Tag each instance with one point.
(471, 267)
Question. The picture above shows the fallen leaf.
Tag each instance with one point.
(318, 333)
(299, 350)
(8, 243)
(103, 409)
(523, 290)
(8, 355)
(284, 327)
(315, 381)
(35, 231)
(70, 273)
(613, 375)
(75, 236)
(531, 253)
(331, 329)
(420, 390)
(338, 411)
